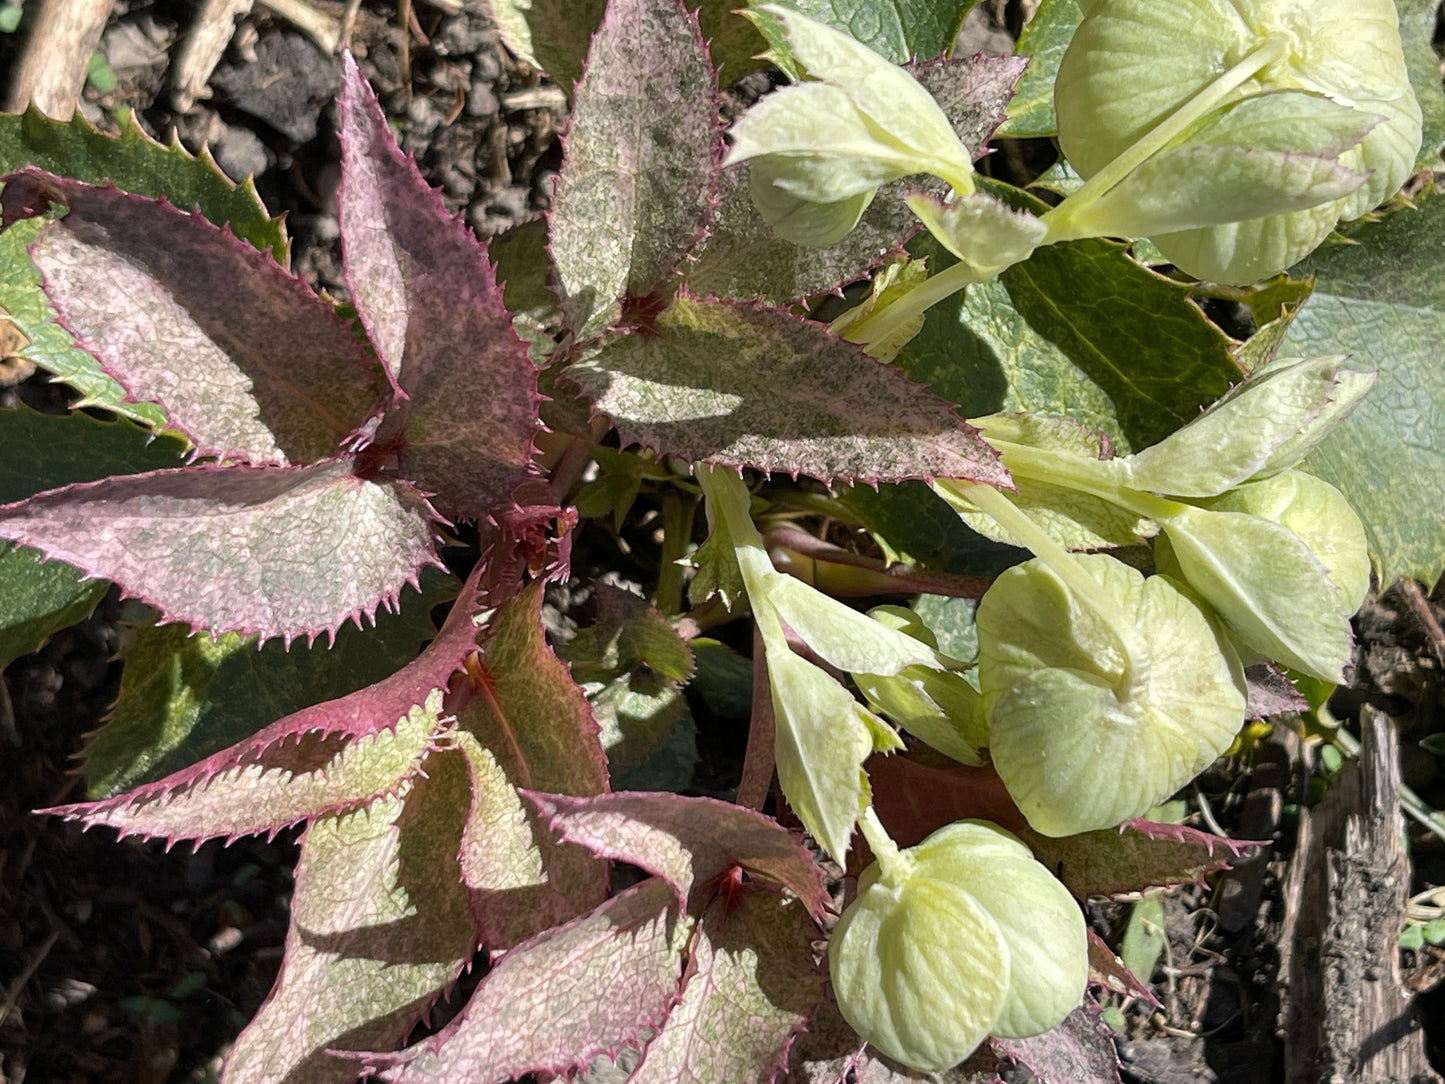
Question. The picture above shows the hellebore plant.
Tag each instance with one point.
(285, 467)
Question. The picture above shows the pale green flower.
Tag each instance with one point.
(1235, 133)
(964, 936)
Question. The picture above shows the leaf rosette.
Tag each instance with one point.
(1234, 133)
(963, 936)
(1095, 717)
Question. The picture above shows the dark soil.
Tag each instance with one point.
(123, 962)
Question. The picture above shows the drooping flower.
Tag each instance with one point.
(1234, 133)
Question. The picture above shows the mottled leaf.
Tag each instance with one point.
(43, 451)
(48, 345)
(1271, 692)
(913, 523)
(752, 986)
(244, 359)
(750, 387)
(900, 31)
(136, 163)
(636, 185)
(742, 259)
(1081, 1048)
(266, 788)
(1381, 299)
(379, 930)
(427, 294)
(1133, 856)
(184, 697)
(1031, 112)
(281, 552)
(525, 712)
(687, 841)
(559, 1000)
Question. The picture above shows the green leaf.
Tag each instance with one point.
(635, 189)
(900, 31)
(379, 930)
(1381, 299)
(1031, 112)
(1143, 941)
(913, 523)
(38, 597)
(742, 386)
(1417, 31)
(134, 162)
(184, 697)
(47, 451)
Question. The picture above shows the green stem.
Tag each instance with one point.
(677, 517)
(1161, 135)
(881, 323)
(1063, 564)
(890, 860)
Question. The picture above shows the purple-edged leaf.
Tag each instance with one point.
(429, 299)
(1081, 1048)
(752, 986)
(637, 179)
(830, 1052)
(533, 723)
(283, 552)
(1134, 856)
(1106, 970)
(742, 259)
(972, 92)
(741, 386)
(1271, 692)
(686, 841)
(244, 358)
(323, 729)
(235, 793)
(379, 929)
(559, 1000)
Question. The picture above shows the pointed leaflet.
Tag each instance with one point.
(637, 179)
(1135, 855)
(280, 552)
(740, 386)
(186, 697)
(137, 163)
(752, 986)
(379, 929)
(562, 998)
(41, 451)
(428, 297)
(1081, 1048)
(686, 841)
(283, 783)
(524, 710)
(185, 799)
(242, 356)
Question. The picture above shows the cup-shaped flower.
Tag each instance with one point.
(821, 148)
(1235, 133)
(962, 936)
(1096, 717)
